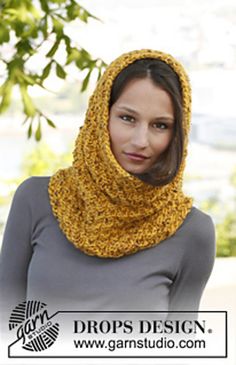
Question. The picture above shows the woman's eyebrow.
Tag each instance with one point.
(127, 109)
(130, 110)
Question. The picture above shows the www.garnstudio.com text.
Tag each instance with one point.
(145, 343)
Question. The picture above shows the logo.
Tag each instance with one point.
(33, 326)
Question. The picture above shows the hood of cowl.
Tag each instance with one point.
(102, 209)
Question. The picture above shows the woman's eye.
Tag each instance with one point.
(160, 125)
(127, 118)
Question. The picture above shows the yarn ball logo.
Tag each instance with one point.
(34, 326)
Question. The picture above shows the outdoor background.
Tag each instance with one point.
(202, 35)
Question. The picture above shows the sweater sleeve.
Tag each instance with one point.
(196, 266)
(16, 249)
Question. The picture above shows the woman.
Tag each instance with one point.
(114, 231)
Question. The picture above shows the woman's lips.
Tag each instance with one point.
(136, 157)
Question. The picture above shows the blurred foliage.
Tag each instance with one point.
(211, 205)
(43, 161)
(40, 161)
(26, 27)
(67, 100)
(226, 228)
(233, 178)
(226, 236)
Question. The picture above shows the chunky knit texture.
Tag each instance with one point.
(101, 208)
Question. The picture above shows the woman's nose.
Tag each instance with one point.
(140, 137)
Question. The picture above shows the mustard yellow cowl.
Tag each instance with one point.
(101, 208)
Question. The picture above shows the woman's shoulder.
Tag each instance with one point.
(32, 185)
(31, 191)
(198, 219)
(198, 227)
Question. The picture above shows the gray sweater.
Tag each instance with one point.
(38, 262)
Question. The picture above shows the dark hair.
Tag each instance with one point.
(166, 168)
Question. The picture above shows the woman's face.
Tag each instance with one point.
(141, 125)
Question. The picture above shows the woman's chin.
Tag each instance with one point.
(134, 171)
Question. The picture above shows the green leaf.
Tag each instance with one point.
(29, 79)
(34, 32)
(33, 10)
(89, 15)
(25, 120)
(60, 72)
(44, 26)
(38, 133)
(4, 34)
(57, 26)
(46, 71)
(14, 64)
(22, 13)
(73, 55)
(23, 45)
(86, 81)
(58, 1)
(50, 122)
(19, 28)
(67, 43)
(54, 48)
(84, 15)
(62, 18)
(81, 63)
(29, 132)
(6, 91)
(73, 11)
(99, 73)
(85, 53)
(100, 69)
(29, 108)
(84, 60)
(94, 17)
(12, 12)
(44, 6)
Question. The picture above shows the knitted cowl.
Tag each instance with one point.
(102, 209)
